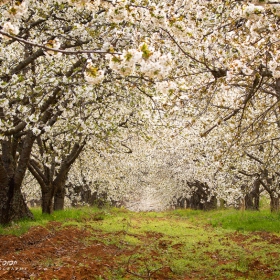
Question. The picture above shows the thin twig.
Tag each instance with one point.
(55, 50)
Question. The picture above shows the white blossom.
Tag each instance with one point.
(9, 28)
(36, 131)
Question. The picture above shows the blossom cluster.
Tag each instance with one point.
(144, 60)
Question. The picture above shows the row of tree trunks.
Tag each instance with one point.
(199, 197)
(86, 196)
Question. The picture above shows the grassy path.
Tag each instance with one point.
(117, 244)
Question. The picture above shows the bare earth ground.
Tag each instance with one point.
(56, 252)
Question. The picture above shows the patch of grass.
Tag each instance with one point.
(40, 219)
(72, 224)
(16, 229)
(181, 266)
(131, 240)
(76, 214)
(233, 219)
(246, 220)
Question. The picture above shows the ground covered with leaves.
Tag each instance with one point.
(117, 244)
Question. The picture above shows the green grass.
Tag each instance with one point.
(67, 217)
(233, 219)
(247, 220)
(120, 219)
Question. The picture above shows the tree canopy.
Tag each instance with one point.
(76, 73)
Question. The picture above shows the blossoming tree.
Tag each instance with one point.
(218, 57)
(57, 54)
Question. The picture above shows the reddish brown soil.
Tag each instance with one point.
(67, 253)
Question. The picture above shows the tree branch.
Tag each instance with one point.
(36, 175)
(55, 50)
(15, 130)
(24, 158)
(205, 133)
(247, 174)
(253, 157)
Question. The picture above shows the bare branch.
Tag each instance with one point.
(205, 133)
(254, 157)
(248, 174)
(15, 130)
(36, 175)
(33, 164)
(55, 50)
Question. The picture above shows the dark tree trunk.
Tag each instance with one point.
(47, 200)
(53, 194)
(249, 203)
(252, 202)
(59, 199)
(252, 199)
(12, 204)
(12, 170)
(211, 204)
(60, 185)
(274, 203)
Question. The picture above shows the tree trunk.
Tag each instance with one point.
(47, 200)
(274, 203)
(12, 204)
(60, 185)
(249, 204)
(211, 204)
(252, 199)
(12, 170)
(53, 189)
(59, 199)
